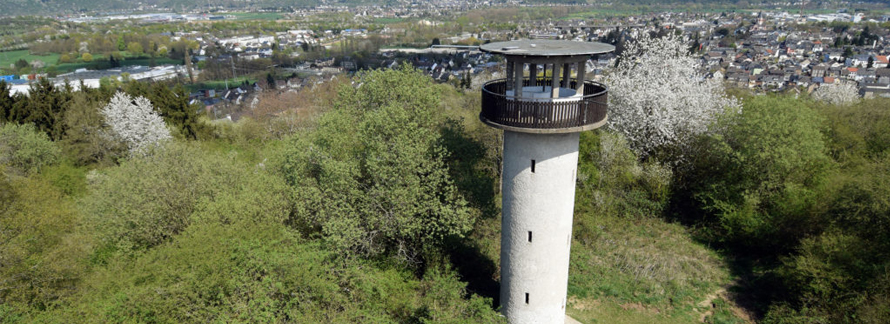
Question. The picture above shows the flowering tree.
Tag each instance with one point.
(135, 122)
(841, 94)
(657, 96)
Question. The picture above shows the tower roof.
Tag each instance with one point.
(546, 48)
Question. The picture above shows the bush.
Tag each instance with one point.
(40, 251)
(147, 201)
(25, 149)
(262, 273)
(761, 175)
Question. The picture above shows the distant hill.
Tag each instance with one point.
(62, 7)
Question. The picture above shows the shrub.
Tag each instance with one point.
(149, 200)
(25, 149)
(761, 174)
(40, 251)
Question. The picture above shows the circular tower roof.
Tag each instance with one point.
(546, 48)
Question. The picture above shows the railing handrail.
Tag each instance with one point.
(525, 81)
(544, 115)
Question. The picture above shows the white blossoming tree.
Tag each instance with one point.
(135, 122)
(842, 94)
(658, 98)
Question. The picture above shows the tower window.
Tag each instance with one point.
(533, 166)
(526, 298)
(529, 236)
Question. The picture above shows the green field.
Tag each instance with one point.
(257, 15)
(7, 58)
(220, 84)
(99, 61)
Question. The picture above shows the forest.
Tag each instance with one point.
(375, 198)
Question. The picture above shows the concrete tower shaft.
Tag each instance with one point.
(536, 225)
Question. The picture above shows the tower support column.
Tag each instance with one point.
(538, 201)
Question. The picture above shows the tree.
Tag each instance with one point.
(121, 45)
(65, 58)
(135, 122)
(372, 178)
(658, 98)
(270, 80)
(841, 93)
(88, 139)
(135, 48)
(87, 57)
(20, 64)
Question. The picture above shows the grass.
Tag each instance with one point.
(219, 84)
(99, 61)
(257, 15)
(643, 263)
(7, 58)
(636, 270)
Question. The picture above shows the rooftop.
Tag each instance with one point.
(546, 48)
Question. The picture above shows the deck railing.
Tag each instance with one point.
(500, 109)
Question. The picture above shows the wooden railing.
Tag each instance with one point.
(533, 113)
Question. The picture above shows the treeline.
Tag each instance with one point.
(72, 120)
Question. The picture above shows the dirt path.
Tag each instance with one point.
(721, 293)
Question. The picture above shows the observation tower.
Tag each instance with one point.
(542, 117)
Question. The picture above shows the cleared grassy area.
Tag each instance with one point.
(7, 58)
(641, 270)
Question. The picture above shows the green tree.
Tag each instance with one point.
(121, 45)
(21, 63)
(88, 139)
(44, 106)
(87, 57)
(7, 102)
(372, 177)
(134, 48)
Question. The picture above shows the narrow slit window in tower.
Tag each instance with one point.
(526, 298)
(529, 236)
(533, 166)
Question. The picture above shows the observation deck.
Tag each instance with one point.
(537, 112)
(542, 103)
